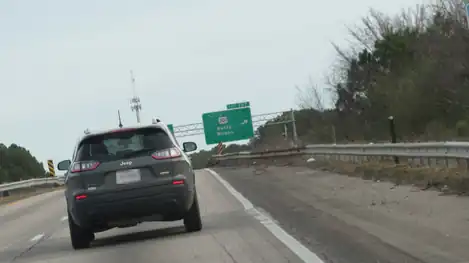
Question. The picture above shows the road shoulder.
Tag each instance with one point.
(347, 219)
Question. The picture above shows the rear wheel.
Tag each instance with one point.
(81, 238)
(192, 220)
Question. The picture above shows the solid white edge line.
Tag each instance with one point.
(294, 245)
(37, 237)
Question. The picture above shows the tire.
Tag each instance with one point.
(192, 220)
(81, 238)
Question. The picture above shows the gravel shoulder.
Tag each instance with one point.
(348, 219)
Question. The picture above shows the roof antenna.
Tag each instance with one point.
(120, 121)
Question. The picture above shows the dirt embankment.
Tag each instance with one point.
(448, 180)
(18, 194)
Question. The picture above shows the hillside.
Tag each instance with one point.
(413, 67)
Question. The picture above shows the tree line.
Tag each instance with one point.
(17, 163)
(413, 66)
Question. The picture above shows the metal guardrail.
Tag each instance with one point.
(31, 183)
(421, 153)
(265, 154)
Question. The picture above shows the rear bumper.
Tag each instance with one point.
(168, 201)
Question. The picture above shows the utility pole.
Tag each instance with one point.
(135, 104)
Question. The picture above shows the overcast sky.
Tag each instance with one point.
(64, 65)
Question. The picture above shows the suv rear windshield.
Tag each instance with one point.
(123, 144)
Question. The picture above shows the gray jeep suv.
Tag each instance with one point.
(122, 177)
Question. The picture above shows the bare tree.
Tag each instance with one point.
(311, 97)
(377, 25)
(452, 8)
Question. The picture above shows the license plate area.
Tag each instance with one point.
(128, 176)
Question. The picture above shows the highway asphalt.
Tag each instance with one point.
(254, 215)
(36, 230)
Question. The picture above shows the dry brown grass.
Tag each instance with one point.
(447, 180)
(25, 193)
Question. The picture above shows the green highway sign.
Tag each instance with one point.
(171, 128)
(228, 125)
(238, 105)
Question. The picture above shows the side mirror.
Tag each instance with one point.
(64, 165)
(189, 146)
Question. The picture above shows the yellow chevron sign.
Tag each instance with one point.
(50, 163)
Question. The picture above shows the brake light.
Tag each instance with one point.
(166, 154)
(122, 130)
(80, 197)
(178, 182)
(84, 166)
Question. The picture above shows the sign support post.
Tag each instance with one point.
(50, 165)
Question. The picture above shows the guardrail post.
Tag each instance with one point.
(392, 131)
(295, 135)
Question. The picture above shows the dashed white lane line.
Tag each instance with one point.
(294, 245)
(37, 237)
(65, 218)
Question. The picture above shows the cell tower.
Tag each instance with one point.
(135, 104)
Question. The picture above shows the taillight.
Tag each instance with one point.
(84, 166)
(166, 154)
(80, 197)
(178, 182)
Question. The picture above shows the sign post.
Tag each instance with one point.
(220, 148)
(50, 165)
(171, 128)
(228, 125)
